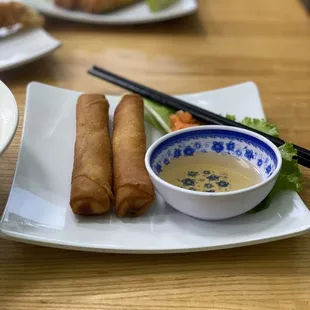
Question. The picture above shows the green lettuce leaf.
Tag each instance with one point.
(290, 177)
(159, 5)
(258, 124)
(231, 117)
(157, 116)
(261, 125)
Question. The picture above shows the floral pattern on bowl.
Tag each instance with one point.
(220, 141)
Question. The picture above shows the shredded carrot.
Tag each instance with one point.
(182, 120)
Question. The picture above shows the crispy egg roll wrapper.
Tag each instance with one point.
(133, 189)
(91, 187)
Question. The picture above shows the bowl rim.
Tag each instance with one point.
(13, 124)
(212, 127)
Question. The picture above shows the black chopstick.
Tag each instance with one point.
(303, 155)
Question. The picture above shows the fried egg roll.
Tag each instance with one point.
(133, 189)
(91, 186)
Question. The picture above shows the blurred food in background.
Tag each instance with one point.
(101, 6)
(12, 13)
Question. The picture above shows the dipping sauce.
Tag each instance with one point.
(210, 172)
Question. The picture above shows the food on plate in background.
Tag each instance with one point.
(67, 4)
(94, 6)
(91, 186)
(159, 5)
(12, 13)
(133, 189)
(102, 6)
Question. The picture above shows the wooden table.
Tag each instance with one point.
(226, 42)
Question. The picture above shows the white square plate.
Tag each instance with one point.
(25, 46)
(134, 14)
(38, 207)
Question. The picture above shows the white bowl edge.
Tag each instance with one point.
(14, 124)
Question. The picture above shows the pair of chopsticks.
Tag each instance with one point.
(303, 155)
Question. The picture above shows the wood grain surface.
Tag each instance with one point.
(226, 42)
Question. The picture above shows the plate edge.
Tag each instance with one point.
(38, 241)
(57, 44)
(43, 10)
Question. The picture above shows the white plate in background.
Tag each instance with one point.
(8, 117)
(38, 209)
(24, 46)
(133, 14)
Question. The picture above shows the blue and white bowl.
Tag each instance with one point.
(252, 147)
